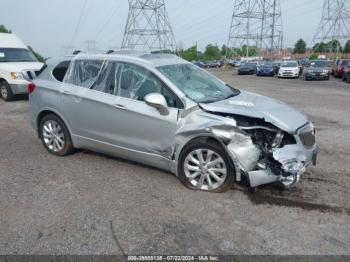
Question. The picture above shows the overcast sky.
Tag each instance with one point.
(48, 25)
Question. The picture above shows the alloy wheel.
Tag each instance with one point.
(53, 136)
(205, 169)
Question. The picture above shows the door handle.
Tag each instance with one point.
(118, 106)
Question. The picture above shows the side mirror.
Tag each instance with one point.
(158, 102)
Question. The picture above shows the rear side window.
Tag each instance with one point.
(60, 70)
(85, 73)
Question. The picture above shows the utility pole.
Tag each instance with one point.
(91, 46)
(148, 27)
(273, 24)
(334, 26)
(256, 19)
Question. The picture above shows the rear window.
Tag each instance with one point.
(319, 63)
(60, 70)
(290, 64)
(345, 62)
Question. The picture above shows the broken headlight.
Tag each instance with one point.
(293, 166)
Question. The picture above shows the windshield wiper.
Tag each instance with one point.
(230, 96)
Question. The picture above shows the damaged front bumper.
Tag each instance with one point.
(284, 165)
(294, 160)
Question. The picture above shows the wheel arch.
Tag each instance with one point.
(3, 80)
(208, 139)
(46, 112)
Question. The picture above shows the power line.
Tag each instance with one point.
(79, 22)
(109, 19)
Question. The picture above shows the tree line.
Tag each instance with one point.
(331, 46)
(213, 52)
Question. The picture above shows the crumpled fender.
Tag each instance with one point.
(236, 142)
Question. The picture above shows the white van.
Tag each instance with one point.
(18, 66)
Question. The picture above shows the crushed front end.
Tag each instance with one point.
(270, 155)
(260, 151)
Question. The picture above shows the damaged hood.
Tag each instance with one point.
(256, 106)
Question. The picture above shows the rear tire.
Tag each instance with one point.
(55, 135)
(206, 167)
(6, 92)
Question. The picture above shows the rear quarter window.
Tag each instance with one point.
(59, 72)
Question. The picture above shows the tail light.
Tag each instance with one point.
(31, 88)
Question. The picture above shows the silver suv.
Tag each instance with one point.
(160, 110)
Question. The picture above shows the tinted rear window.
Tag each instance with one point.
(60, 70)
(319, 63)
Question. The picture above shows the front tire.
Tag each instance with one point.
(6, 92)
(55, 136)
(206, 167)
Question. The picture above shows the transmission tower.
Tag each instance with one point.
(148, 27)
(257, 23)
(335, 23)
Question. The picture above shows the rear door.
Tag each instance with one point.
(79, 104)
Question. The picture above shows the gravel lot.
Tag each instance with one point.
(89, 203)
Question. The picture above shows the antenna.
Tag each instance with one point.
(256, 23)
(148, 27)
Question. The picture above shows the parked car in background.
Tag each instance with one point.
(318, 70)
(346, 76)
(212, 64)
(301, 68)
(235, 63)
(199, 64)
(18, 66)
(304, 62)
(289, 69)
(334, 67)
(266, 69)
(163, 111)
(339, 68)
(247, 68)
(276, 66)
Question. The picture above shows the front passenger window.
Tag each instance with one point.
(136, 83)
